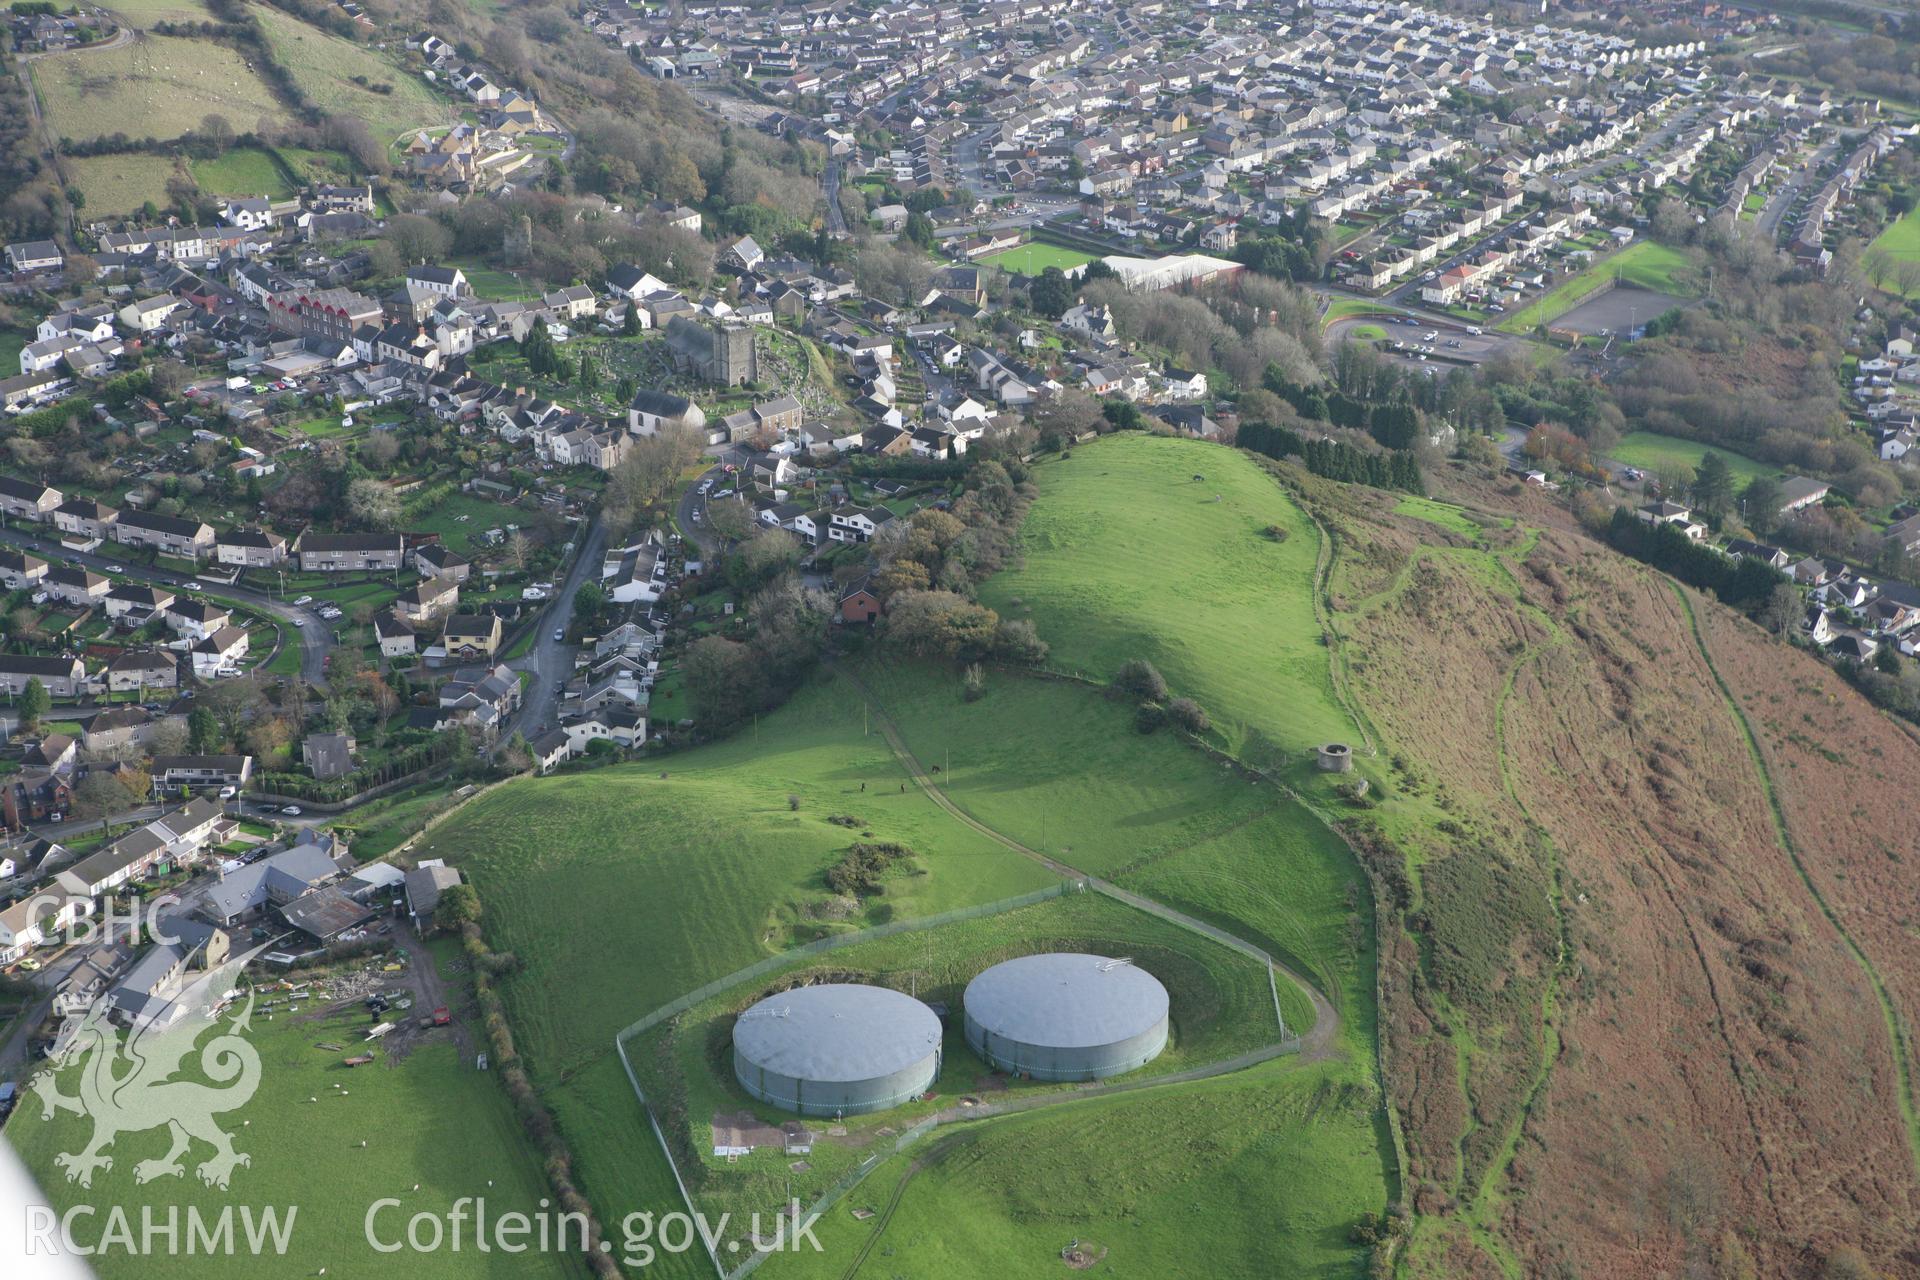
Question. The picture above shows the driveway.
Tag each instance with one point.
(313, 638)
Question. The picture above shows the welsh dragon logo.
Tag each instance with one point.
(128, 1084)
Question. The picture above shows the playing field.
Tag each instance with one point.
(1664, 455)
(324, 66)
(325, 1141)
(1033, 258)
(115, 185)
(158, 86)
(1649, 265)
(1199, 587)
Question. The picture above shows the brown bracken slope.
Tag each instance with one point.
(1632, 1026)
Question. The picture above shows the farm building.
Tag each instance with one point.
(1066, 1016)
(838, 1049)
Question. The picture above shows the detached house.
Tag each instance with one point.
(857, 524)
(470, 636)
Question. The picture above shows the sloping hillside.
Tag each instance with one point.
(1623, 1032)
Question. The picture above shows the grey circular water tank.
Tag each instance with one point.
(837, 1049)
(1066, 1016)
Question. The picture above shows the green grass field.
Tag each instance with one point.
(494, 284)
(158, 86)
(323, 65)
(1252, 1175)
(1342, 308)
(1649, 265)
(1651, 451)
(143, 14)
(1031, 259)
(620, 889)
(115, 185)
(428, 1119)
(1900, 242)
(1200, 589)
(244, 171)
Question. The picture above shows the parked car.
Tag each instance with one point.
(292, 811)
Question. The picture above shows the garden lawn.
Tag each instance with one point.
(158, 86)
(1127, 556)
(325, 67)
(1033, 258)
(464, 535)
(1651, 451)
(1649, 265)
(429, 1120)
